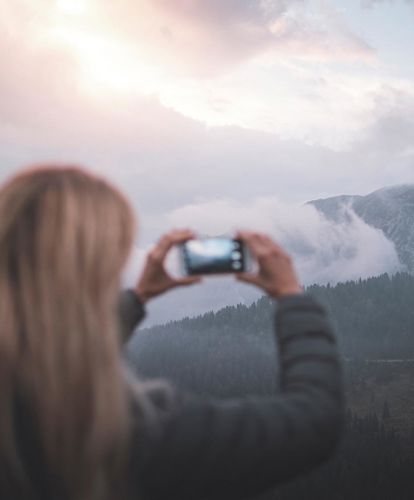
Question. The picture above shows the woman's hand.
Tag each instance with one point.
(276, 274)
(155, 280)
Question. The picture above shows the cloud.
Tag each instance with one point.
(160, 157)
(69, 64)
(205, 39)
(164, 160)
(34, 76)
(392, 128)
(373, 3)
(323, 251)
(387, 143)
(51, 88)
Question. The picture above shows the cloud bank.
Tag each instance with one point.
(324, 251)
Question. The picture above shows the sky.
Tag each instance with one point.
(216, 113)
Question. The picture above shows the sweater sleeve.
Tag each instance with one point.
(235, 449)
(131, 312)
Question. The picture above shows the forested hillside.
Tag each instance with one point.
(232, 351)
(374, 318)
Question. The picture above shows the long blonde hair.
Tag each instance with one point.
(64, 238)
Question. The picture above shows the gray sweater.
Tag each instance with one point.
(191, 448)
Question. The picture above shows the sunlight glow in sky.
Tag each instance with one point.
(76, 7)
(287, 75)
(105, 64)
(310, 75)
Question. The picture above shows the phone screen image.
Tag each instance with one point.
(214, 255)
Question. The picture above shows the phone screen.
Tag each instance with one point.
(214, 255)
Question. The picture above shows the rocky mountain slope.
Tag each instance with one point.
(389, 209)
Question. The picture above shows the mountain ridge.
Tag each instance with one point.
(389, 209)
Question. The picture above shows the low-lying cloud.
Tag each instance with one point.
(324, 251)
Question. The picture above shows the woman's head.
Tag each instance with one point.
(65, 236)
(67, 224)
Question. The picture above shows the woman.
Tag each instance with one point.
(74, 425)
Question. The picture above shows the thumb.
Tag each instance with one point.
(191, 280)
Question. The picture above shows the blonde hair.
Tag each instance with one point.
(65, 236)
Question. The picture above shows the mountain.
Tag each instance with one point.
(389, 209)
(220, 352)
(325, 248)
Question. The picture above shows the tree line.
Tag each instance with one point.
(219, 353)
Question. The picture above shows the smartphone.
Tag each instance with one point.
(218, 255)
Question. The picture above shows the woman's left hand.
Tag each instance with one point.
(155, 280)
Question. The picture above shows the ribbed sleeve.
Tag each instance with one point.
(239, 448)
(131, 312)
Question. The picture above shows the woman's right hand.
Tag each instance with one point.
(276, 274)
(155, 279)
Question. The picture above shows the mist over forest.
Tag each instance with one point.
(222, 350)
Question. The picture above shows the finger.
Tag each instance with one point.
(173, 238)
(261, 244)
(253, 241)
(265, 247)
(191, 280)
(267, 240)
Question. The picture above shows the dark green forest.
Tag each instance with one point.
(374, 318)
(219, 352)
(372, 463)
(232, 352)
